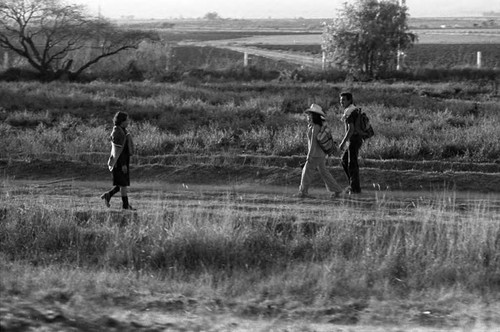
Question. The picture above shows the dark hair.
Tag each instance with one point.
(317, 118)
(119, 118)
(347, 95)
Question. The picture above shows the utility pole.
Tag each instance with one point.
(399, 53)
(245, 59)
(5, 60)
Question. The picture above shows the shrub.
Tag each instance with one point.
(28, 119)
(18, 74)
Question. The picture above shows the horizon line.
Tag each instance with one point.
(287, 18)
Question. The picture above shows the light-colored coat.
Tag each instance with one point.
(313, 147)
(316, 160)
(118, 139)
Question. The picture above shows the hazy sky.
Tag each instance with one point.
(273, 8)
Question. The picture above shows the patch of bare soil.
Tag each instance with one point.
(168, 314)
(58, 312)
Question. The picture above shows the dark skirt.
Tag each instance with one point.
(119, 178)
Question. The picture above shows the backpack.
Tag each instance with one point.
(325, 140)
(363, 126)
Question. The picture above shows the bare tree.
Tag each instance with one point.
(48, 33)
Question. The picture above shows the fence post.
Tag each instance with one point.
(245, 59)
(5, 60)
(323, 61)
(479, 59)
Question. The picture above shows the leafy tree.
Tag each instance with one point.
(49, 34)
(367, 35)
(212, 16)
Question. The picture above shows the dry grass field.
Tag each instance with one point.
(218, 242)
(427, 36)
(435, 48)
(233, 254)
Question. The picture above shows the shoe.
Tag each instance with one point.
(129, 208)
(349, 191)
(338, 194)
(106, 197)
(301, 195)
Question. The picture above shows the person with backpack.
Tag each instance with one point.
(353, 140)
(316, 157)
(122, 149)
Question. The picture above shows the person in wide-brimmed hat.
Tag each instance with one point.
(316, 157)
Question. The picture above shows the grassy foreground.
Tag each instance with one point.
(433, 264)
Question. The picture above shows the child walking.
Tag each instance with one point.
(122, 148)
(316, 157)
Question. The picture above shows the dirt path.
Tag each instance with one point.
(259, 203)
(306, 60)
(237, 170)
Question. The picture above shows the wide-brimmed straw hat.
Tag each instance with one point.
(315, 108)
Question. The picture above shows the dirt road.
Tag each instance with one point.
(306, 60)
(259, 202)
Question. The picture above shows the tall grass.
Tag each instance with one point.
(449, 121)
(317, 256)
